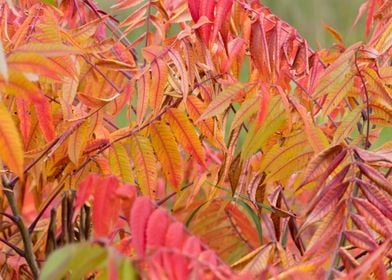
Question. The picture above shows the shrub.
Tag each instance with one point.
(261, 148)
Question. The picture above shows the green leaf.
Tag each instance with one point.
(74, 261)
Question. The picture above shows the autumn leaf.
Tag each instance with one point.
(185, 134)
(145, 165)
(167, 152)
(11, 148)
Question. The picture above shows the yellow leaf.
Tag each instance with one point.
(11, 149)
(167, 152)
(259, 135)
(145, 165)
(119, 162)
(77, 141)
(281, 161)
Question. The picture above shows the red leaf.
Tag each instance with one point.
(22, 107)
(45, 119)
(373, 216)
(223, 8)
(264, 101)
(140, 213)
(175, 238)
(259, 48)
(327, 201)
(360, 240)
(194, 7)
(376, 177)
(206, 9)
(86, 189)
(157, 226)
(105, 207)
(192, 246)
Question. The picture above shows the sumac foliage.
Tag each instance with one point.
(246, 153)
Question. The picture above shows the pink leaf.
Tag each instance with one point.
(140, 213)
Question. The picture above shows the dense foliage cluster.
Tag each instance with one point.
(246, 153)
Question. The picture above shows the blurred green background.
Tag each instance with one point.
(308, 17)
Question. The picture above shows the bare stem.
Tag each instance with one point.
(28, 245)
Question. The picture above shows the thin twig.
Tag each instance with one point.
(367, 118)
(19, 251)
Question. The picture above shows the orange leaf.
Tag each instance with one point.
(37, 64)
(160, 74)
(145, 164)
(195, 108)
(165, 147)
(11, 148)
(186, 134)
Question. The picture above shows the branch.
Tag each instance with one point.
(28, 245)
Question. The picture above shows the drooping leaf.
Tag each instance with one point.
(11, 148)
(20, 86)
(185, 134)
(222, 101)
(159, 73)
(143, 84)
(376, 177)
(195, 108)
(37, 64)
(324, 163)
(104, 217)
(139, 216)
(248, 108)
(326, 202)
(45, 119)
(120, 163)
(77, 142)
(145, 165)
(157, 227)
(48, 50)
(259, 47)
(222, 11)
(180, 65)
(259, 135)
(347, 125)
(377, 197)
(23, 109)
(373, 216)
(360, 240)
(283, 160)
(167, 152)
(316, 137)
